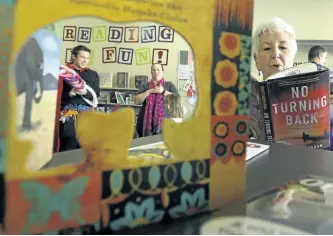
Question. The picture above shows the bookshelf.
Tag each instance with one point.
(114, 104)
(108, 100)
(120, 89)
(119, 93)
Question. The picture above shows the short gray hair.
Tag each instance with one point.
(274, 24)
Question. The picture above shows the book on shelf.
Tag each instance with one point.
(292, 107)
(113, 98)
(124, 98)
(123, 79)
(104, 97)
(105, 80)
(139, 80)
(120, 98)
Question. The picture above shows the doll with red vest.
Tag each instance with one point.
(78, 90)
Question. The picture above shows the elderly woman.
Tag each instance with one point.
(151, 96)
(274, 49)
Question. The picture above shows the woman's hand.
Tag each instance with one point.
(158, 89)
(140, 98)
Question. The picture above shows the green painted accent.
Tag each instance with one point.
(99, 34)
(142, 56)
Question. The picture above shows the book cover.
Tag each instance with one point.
(104, 97)
(305, 204)
(292, 107)
(255, 111)
(123, 80)
(127, 80)
(120, 99)
(113, 98)
(139, 80)
(298, 69)
(106, 80)
(300, 109)
(36, 79)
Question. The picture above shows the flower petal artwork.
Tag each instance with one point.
(226, 73)
(138, 214)
(225, 103)
(230, 44)
(190, 204)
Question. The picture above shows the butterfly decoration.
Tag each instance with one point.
(45, 202)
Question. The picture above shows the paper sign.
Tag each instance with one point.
(183, 72)
(187, 86)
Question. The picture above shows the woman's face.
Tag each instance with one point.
(274, 53)
(157, 72)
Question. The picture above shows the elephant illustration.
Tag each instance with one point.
(29, 77)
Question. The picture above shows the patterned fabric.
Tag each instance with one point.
(154, 113)
(56, 141)
(72, 112)
(73, 79)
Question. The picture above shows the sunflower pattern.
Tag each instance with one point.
(230, 44)
(226, 73)
(225, 103)
(231, 71)
(230, 86)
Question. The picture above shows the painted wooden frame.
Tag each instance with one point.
(108, 190)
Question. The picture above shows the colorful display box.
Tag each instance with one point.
(109, 191)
